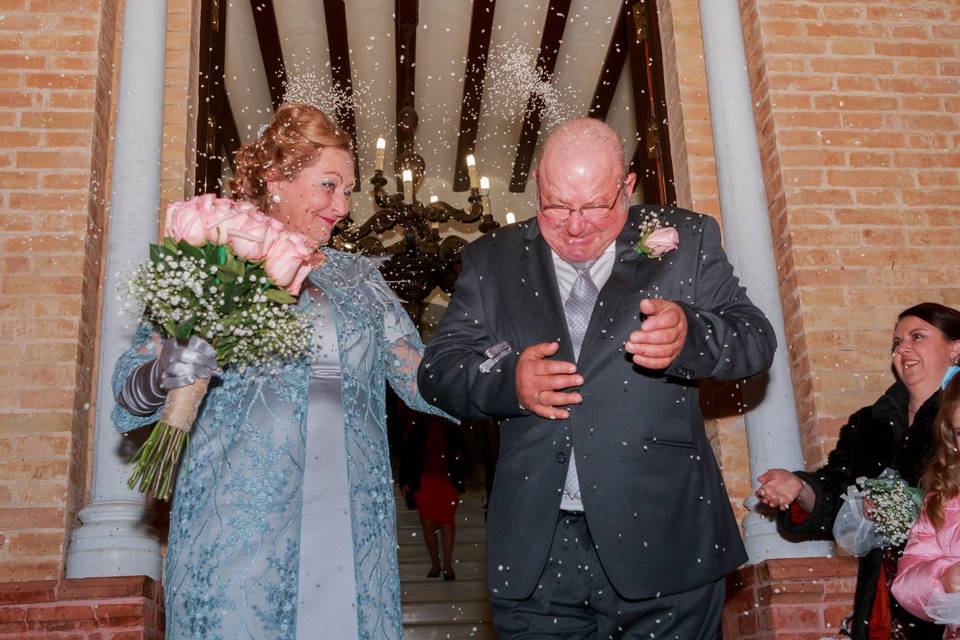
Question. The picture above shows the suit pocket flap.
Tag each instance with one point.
(679, 444)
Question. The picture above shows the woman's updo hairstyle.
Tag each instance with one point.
(298, 134)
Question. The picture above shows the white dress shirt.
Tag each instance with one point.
(566, 275)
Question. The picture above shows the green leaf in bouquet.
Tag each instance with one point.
(224, 348)
(170, 245)
(916, 495)
(170, 328)
(281, 296)
(166, 251)
(231, 319)
(229, 293)
(240, 266)
(222, 253)
(184, 329)
(232, 266)
(210, 253)
(154, 253)
(225, 276)
(190, 250)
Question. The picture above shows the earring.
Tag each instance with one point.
(275, 198)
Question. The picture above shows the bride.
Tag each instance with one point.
(283, 522)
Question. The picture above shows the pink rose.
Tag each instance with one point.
(660, 241)
(223, 217)
(287, 262)
(252, 239)
(184, 221)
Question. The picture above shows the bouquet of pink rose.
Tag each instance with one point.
(227, 273)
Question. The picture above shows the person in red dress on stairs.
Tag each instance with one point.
(432, 469)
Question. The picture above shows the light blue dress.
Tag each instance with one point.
(283, 523)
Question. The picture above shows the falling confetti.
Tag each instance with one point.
(514, 78)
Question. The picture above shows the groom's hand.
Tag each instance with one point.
(540, 382)
(661, 335)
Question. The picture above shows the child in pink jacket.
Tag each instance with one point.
(928, 577)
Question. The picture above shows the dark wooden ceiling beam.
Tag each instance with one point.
(228, 128)
(212, 106)
(481, 28)
(406, 18)
(341, 74)
(651, 159)
(268, 36)
(553, 27)
(612, 68)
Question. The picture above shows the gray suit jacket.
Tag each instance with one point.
(652, 492)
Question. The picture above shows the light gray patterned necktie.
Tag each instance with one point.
(579, 305)
(578, 308)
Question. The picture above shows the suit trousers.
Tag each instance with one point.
(574, 600)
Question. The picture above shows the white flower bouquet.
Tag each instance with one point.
(228, 274)
(895, 506)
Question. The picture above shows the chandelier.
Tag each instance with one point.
(422, 260)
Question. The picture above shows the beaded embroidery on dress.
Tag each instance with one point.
(232, 562)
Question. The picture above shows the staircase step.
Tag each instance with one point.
(463, 518)
(463, 535)
(467, 500)
(465, 551)
(417, 569)
(434, 609)
(439, 590)
(472, 612)
(449, 632)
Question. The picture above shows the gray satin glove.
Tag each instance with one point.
(179, 365)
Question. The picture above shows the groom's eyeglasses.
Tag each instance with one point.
(591, 212)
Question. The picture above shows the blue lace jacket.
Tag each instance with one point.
(240, 487)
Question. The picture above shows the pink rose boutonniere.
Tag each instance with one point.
(656, 240)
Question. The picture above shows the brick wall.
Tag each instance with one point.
(56, 57)
(799, 599)
(858, 106)
(178, 157)
(60, 60)
(128, 608)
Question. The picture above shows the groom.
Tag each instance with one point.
(608, 516)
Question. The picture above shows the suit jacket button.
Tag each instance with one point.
(561, 457)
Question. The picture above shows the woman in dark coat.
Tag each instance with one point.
(895, 432)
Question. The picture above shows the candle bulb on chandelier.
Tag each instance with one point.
(485, 193)
(434, 199)
(408, 186)
(381, 148)
(472, 170)
(511, 218)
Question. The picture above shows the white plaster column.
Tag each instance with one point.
(115, 538)
(773, 433)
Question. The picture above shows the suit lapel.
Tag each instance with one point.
(542, 302)
(630, 271)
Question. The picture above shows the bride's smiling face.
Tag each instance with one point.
(317, 198)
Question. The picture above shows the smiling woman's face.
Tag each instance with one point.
(317, 198)
(921, 353)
